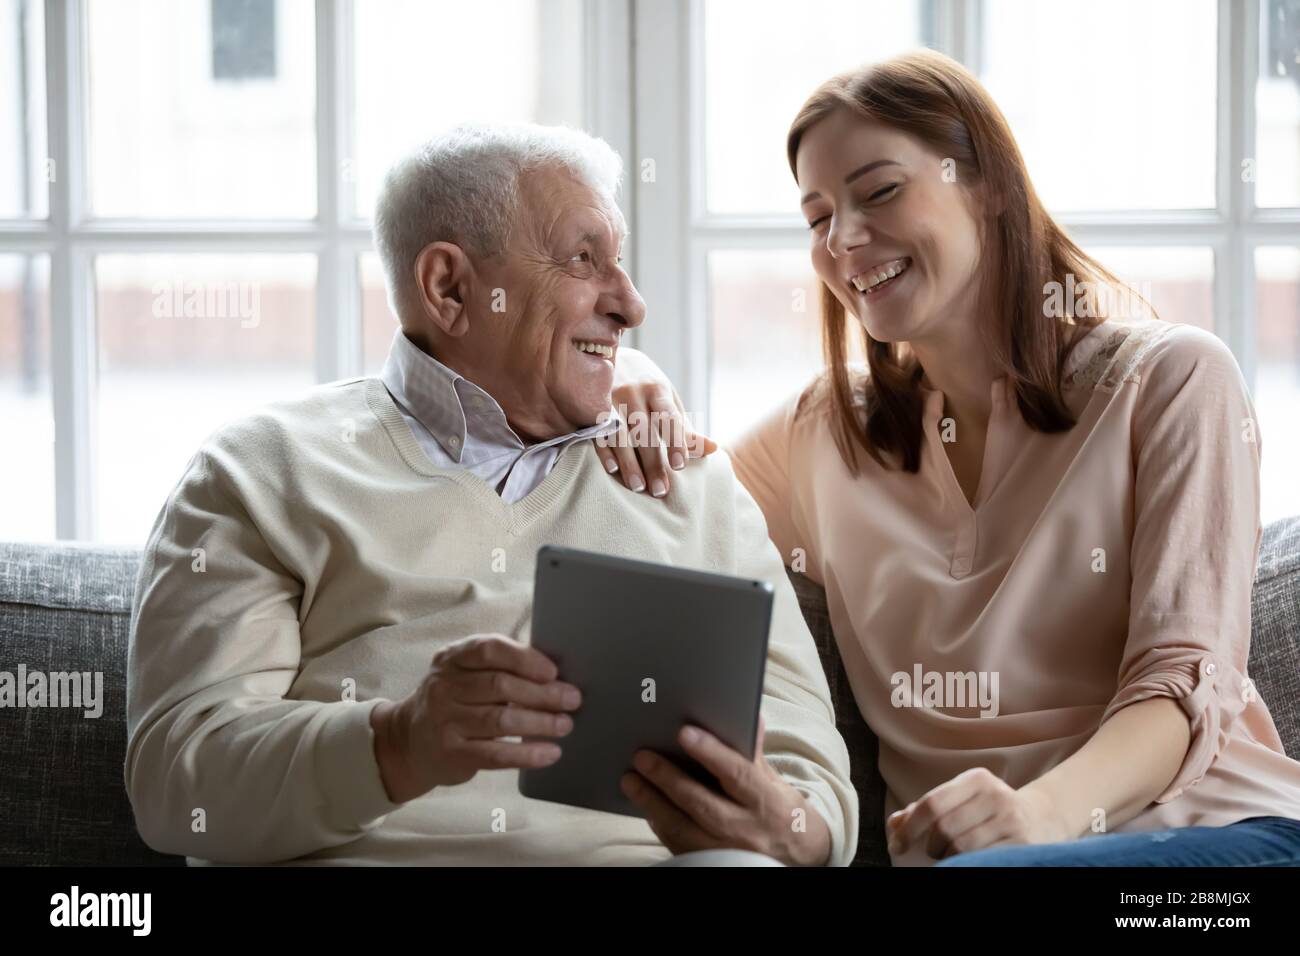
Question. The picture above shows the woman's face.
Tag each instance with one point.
(877, 200)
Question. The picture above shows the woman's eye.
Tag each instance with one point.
(882, 193)
(818, 221)
(581, 257)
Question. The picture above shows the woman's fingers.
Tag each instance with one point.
(625, 455)
(966, 816)
(647, 430)
(654, 439)
(920, 816)
(605, 452)
(991, 832)
(673, 427)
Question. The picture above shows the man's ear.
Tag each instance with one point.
(441, 270)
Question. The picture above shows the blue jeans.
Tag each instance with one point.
(1259, 841)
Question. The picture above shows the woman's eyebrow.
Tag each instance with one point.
(860, 171)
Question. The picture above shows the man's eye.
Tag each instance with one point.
(581, 257)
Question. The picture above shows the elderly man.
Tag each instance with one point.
(330, 659)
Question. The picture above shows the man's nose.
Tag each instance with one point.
(623, 303)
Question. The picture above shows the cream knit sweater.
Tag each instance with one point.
(310, 563)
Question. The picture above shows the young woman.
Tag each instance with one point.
(1036, 526)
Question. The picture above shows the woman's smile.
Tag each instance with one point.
(880, 282)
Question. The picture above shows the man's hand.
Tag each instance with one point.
(759, 812)
(974, 810)
(478, 689)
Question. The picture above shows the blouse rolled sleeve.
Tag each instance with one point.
(1196, 535)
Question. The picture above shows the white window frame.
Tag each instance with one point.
(674, 232)
(72, 238)
(642, 84)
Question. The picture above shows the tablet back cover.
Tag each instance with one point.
(651, 647)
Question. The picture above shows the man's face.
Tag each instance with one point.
(548, 313)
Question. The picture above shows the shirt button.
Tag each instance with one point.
(1210, 668)
(453, 441)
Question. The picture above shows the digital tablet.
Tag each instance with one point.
(651, 647)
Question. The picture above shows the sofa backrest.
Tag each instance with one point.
(66, 608)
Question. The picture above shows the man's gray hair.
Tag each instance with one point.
(462, 187)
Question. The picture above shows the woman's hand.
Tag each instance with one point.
(655, 432)
(757, 811)
(974, 810)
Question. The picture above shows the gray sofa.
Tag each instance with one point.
(67, 608)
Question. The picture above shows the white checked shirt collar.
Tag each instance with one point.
(468, 424)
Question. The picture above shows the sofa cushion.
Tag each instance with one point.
(62, 801)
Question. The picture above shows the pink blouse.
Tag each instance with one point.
(1098, 567)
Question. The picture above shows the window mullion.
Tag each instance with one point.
(957, 30)
(72, 327)
(1234, 274)
(660, 181)
(338, 338)
(607, 59)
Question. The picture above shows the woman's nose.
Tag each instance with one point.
(846, 233)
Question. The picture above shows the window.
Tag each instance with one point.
(169, 138)
(1136, 134)
(186, 185)
(184, 211)
(26, 406)
(24, 167)
(1169, 151)
(1277, 106)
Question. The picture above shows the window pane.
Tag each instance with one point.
(26, 406)
(1112, 101)
(1277, 104)
(24, 169)
(1277, 379)
(761, 61)
(506, 61)
(377, 320)
(182, 125)
(1177, 281)
(186, 343)
(765, 329)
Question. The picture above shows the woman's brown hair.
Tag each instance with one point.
(938, 101)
